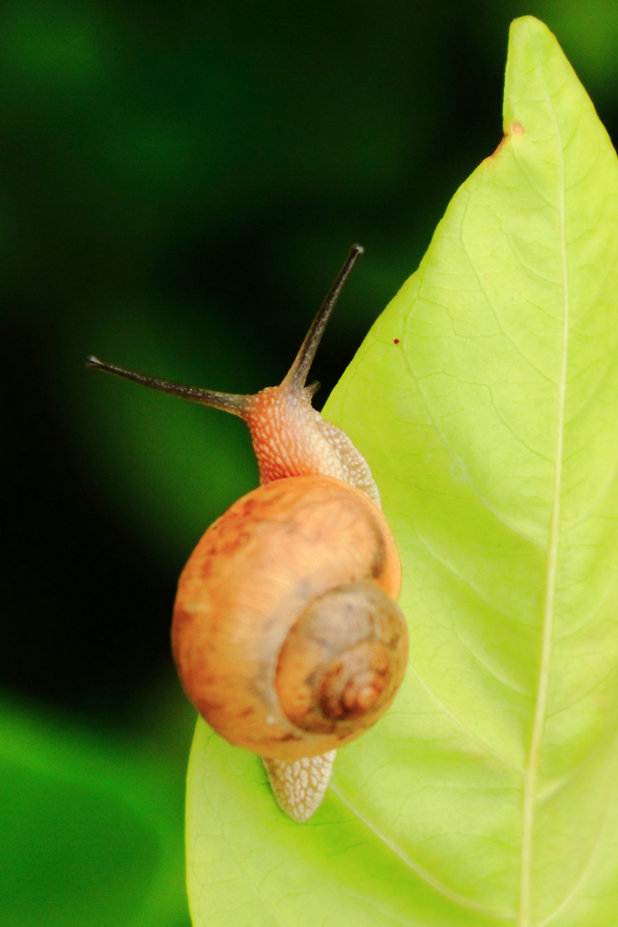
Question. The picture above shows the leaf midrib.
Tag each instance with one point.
(531, 769)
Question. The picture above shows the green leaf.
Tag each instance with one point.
(485, 400)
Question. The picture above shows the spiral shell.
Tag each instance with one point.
(285, 631)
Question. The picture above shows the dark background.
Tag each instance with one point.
(178, 186)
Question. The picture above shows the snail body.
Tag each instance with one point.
(286, 633)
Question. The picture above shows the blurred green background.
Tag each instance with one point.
(179, 185)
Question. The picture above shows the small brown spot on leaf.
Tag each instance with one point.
(515, 128)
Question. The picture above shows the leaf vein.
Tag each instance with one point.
(419, 870)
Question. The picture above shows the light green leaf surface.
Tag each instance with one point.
(485, 398)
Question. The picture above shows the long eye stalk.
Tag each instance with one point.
(235, 403)
(297, 375)
(229, 402)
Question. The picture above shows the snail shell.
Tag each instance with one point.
(285, 633)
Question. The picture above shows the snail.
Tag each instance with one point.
(286, 633)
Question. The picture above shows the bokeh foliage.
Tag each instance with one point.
(178, 186)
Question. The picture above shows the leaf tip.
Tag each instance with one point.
(525, 28)
(533, 53)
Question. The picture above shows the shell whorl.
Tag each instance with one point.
(288, 553)
(342, 661)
